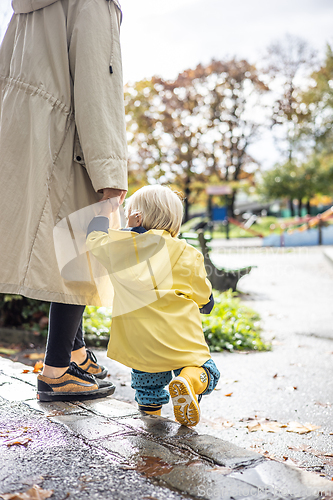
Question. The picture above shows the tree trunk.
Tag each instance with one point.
(291, 207)
(186, 202)
(300, 206)
(308, 207)
(230, 204)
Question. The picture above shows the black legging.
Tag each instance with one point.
(65, 333)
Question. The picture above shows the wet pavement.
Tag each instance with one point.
(107, 449)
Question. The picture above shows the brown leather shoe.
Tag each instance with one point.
(74, 385)
(91, 366)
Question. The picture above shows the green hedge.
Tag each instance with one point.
(232, 326)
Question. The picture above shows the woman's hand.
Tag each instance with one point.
(114, 193)
(108, 206)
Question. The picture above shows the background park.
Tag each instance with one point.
(236, 116)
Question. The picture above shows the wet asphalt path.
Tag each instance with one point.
(292, 289)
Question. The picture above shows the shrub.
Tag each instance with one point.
(232, 326)
(22, 312)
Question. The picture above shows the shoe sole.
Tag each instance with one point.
(44, 396)
(100, 375)
(185, 405)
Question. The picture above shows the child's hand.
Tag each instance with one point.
(108, 206)
(134, 219)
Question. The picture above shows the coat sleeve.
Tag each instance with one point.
(98, 94)
(201, 287)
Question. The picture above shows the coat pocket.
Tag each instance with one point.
(78, 153)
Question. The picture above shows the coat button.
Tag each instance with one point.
(78, 158)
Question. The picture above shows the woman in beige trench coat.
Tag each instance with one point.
(62, 148)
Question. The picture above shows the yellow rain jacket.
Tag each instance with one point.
(159, 284)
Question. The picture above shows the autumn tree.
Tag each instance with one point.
(196, 127)
(300, 181)
(288, 62)
(232, 113)
(318, 99)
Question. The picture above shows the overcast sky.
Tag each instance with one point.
(164, 37)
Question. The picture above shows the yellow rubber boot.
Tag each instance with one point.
(183, 389)
(155, 412)
(151, 409)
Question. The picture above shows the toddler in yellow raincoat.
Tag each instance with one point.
(160, 287)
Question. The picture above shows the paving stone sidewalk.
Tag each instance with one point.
(107, 449)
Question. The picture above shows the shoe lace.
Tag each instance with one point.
(75, 370)
(91, 355)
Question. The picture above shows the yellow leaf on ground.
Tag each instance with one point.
(23, 441)
(36, 356)
(253, 426)
(38, 367)
(272, 426)
(5, 350)
(229, 394)
(256, 425)
(35, 493)
(301, 429)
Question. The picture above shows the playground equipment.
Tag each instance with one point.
(303, 232)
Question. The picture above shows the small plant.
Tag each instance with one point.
(22, 312)
(97, 320)
(232, 326)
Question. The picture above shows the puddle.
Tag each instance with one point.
(153, 466)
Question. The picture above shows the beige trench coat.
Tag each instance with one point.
(62, 134)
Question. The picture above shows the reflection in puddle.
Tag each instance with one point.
(153, 466)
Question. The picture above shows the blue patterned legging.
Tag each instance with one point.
(150, 387)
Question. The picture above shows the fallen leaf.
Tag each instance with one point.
(275, 376)
(229, 394)
(303, 447)
(5, 350)
(23, 441)
(55, 413)
(38, 367)
(35, 493)
(301, 429)
(265, 426)
(25, 371)
(35, 356)
(324, 405)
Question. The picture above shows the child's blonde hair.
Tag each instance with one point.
(161, 208)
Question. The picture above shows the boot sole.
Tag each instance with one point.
(44, 396)
(185, 405)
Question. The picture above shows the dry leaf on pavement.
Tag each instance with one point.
(35, 493)
(324, 405)
(35, 356)
(301, 429)
(256, 425)
(38, 367)
(229, 394)
(23, 441)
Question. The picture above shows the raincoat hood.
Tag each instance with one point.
(26, 6)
